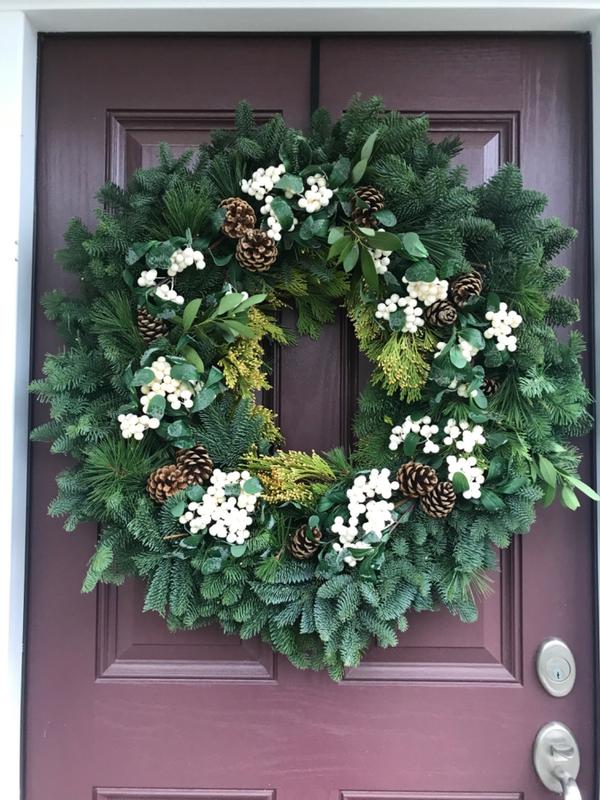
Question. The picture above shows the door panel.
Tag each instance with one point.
(119, 708)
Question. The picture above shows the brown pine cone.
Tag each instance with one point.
(440, 314)
(466, 286)
(256, 251)
(240, 217)
(165, 482)
(490, 386)
(416, 480)
(440, 501)
(304, 544)
(149, 326)
(195, 464)
(375, 202)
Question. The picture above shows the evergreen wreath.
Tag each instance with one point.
(462, 430)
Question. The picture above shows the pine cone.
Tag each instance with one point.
(240, 217)
(149, 326)
(303, 547)
(375, 202)
(256, 251)
(465, 287)
(195, 464)
(165, 482)
(416, 480)
(440, 501)
(490, 386)
(441, 314)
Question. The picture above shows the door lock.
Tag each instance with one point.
(556, 760)
(556, 667)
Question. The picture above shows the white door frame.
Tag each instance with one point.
(20, 23)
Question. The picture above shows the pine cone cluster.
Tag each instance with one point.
(149, 326)
(375, 201)
(304, 542)
(165, 482)
(420, 481)
(192, 465)
(239, 217)
(440, 501)
(256, 251)
(490, 386)
(195, 464)
(441, 314)
(464, 287)
(416, 479)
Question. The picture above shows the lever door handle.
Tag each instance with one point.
(556, 760)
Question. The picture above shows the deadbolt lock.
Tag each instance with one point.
(556, 667)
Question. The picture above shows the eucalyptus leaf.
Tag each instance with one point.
(290, 182)
(385, 217)
(413, 245)
(340, 172)
(421, 271)
(142, 377)
(282, 210)
(460, 483)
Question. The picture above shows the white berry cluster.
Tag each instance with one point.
(147, 278)
(467, 350)
(168, 294)
(473, 474)
(134, 427)
(462, 389)
(381, 258)
(422, 426)
(182, 259)
(428, 292)
(462, 436)
(503, 323)
(317, 196)
(177, 393)
(220, 513)
(370, 512)
(262, 181)
(273, 225)
(412, 311)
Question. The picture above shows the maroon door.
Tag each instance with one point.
(118, 708)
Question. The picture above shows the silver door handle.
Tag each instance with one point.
(570, 790)
(556, 760)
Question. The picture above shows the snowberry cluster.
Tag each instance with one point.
(422, 426)
(262, 181)
(182, 259)
(317, 196)
(177, 393)
(168, 294)
(147, 278)
(273, 225)
(381, 258)
(462, 389)
(462, 436)
(225, 510)
(467, 350)
(473, 474)
(428, 292)
(503, 323)
(412, 311)
(370, 512)
(134, 427)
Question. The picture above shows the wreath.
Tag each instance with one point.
(464, 427)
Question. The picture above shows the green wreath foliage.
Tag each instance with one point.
(515, 406)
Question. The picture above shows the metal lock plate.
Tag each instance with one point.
(556, 667)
